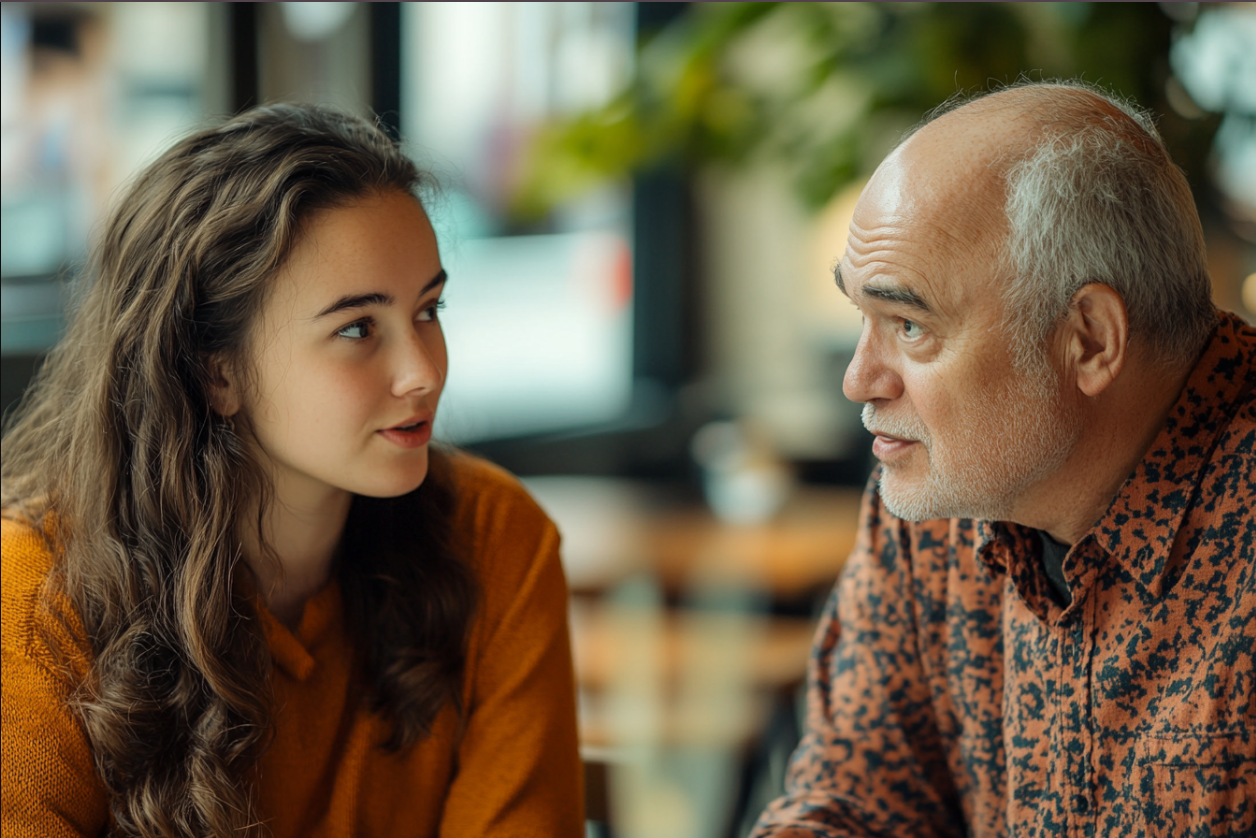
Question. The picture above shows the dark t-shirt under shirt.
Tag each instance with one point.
(1053, 553)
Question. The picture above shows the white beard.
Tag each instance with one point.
(1012, 438)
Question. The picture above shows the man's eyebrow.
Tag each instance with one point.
(350, 301)
(837, 277)
(903, 296)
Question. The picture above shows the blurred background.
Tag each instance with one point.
(640, 208)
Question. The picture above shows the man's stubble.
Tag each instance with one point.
(1010, 438)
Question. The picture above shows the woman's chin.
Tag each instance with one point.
(393, 486)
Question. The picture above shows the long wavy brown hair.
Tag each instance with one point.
(118, 457)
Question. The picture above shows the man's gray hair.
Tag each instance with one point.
(1096, 198)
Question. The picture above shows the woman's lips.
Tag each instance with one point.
(411, 436)
(889, 447)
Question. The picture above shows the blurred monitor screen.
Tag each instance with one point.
(539, 327)
(539, 330)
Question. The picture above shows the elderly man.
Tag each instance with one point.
(1047, 625)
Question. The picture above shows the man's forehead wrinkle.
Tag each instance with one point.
(931, 219)
(909, 267)
(866, 246)
(892, 251)
(889, 248)
(933, 215)
(865, 242)
(888, 231)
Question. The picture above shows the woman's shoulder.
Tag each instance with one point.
(26, 560)
(23, 543)
(497, 524)
(486, 495)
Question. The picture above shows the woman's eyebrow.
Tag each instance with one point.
(356, 301)
(376, 298)
(440, 278)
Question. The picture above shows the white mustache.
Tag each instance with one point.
(911, 429)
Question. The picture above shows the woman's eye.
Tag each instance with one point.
(430, 313)
(356, 330)
(912, 329)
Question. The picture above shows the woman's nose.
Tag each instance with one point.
(420, 365)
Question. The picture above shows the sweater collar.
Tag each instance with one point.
(296, 652)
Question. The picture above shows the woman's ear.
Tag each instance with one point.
(1096, 337)
(224, 388)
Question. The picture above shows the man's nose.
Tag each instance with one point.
(868, 377)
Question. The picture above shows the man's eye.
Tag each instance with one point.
(430, 313)
(912, 329)
(356, 331)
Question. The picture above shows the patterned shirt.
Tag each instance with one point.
(950, 694)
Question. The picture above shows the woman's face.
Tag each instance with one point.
(348, 355)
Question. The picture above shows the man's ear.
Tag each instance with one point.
(224, 388)
(1096, 337)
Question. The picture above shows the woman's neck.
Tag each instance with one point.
(303, 532)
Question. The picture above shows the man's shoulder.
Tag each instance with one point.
(1216, 427)
(1238, 438)
(1220, 395)
(1225, 503)
(1199, 467)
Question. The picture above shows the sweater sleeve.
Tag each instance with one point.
(50, 786)
(870, 762)
(519, 771)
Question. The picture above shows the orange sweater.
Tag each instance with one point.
(513, 771)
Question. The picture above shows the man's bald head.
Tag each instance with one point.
(1006, 125)
(1068, 186)
(951, 168)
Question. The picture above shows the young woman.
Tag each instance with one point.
(242, 594)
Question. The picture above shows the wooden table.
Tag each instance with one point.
(659, 674)
(665, 680)
(682, 678)
(614, 530)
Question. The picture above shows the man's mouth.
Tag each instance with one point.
(877, 422)
(886, 447)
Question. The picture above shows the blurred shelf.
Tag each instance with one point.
(29, 335)
(31, 314)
